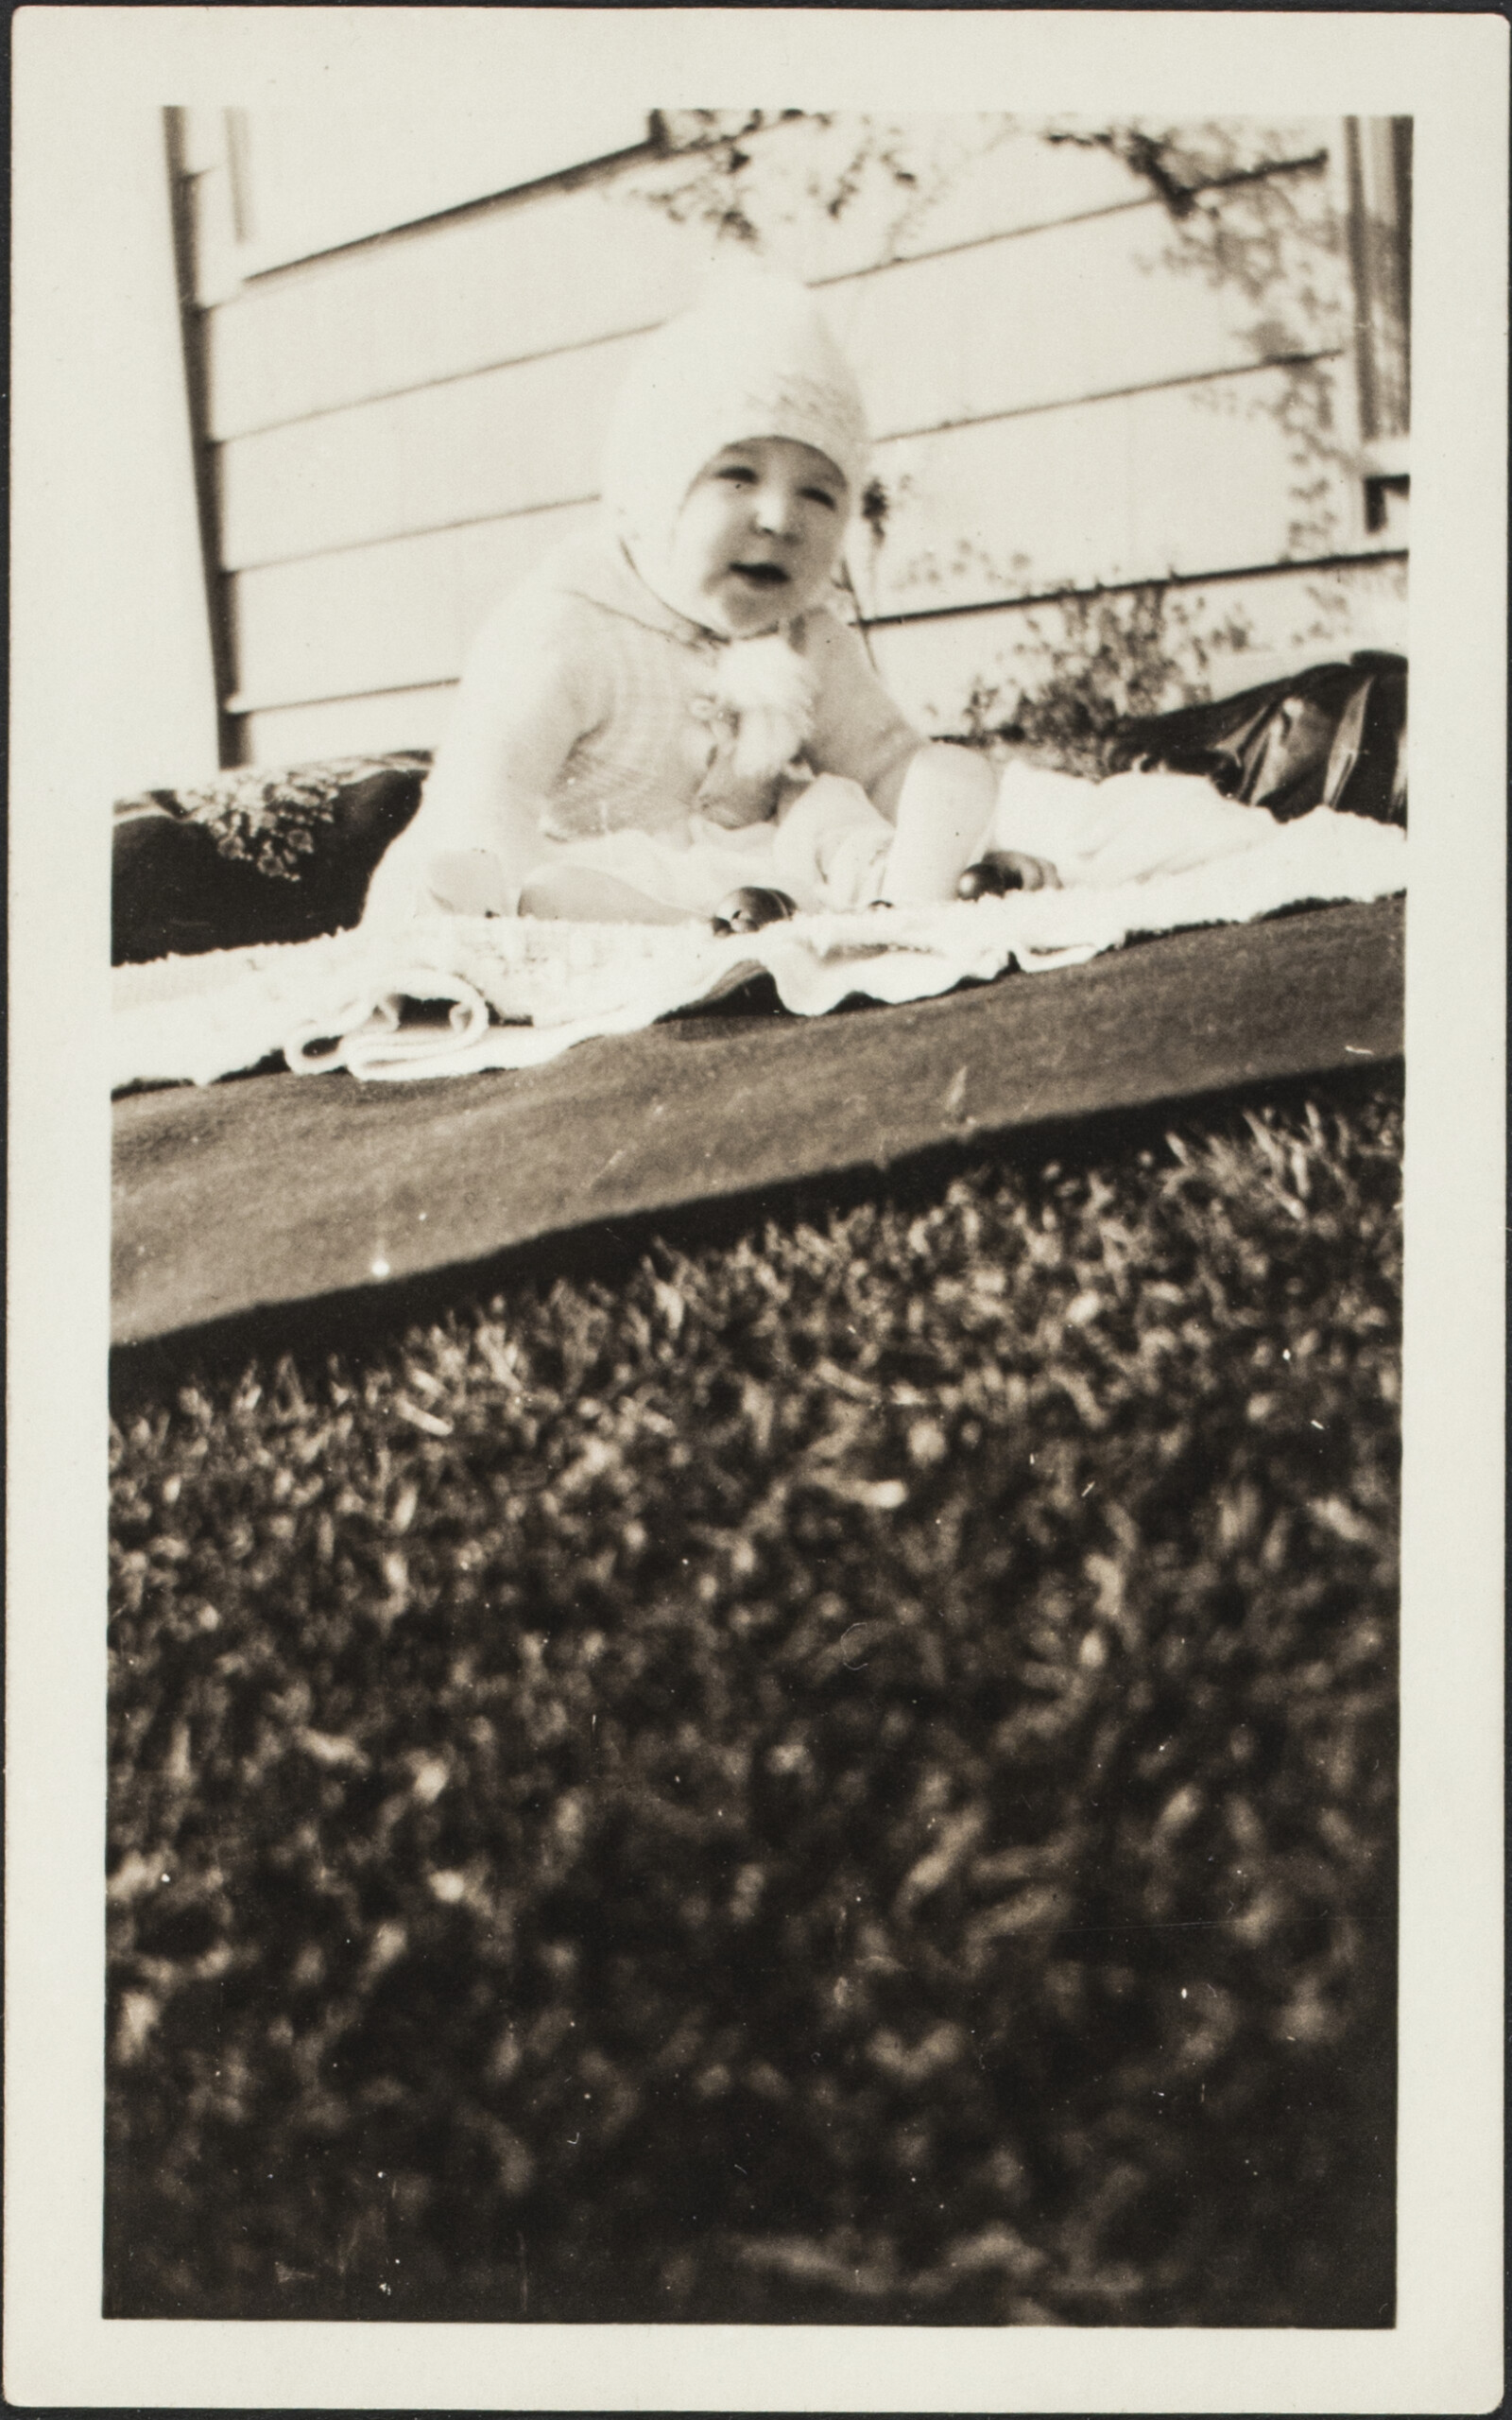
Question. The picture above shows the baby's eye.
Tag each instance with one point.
(819, 496)
(738, 474)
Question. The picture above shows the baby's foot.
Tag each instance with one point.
(1004, 869)
(748, 910)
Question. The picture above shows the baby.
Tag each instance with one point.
(668, 711)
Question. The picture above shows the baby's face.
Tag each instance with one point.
(758, 535)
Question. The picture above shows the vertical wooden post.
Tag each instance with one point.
(1360, 265)
(192, 329)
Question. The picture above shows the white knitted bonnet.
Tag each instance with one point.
(755, 360)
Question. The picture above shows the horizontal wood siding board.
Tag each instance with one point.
(1365, 558)
(511, 280)
(487, 292)
(513, 441)
(933, 666)
(347, 726)
(1070, 312)
(1009, 187)
(616, 141)
(386, 616)
(1195, 477)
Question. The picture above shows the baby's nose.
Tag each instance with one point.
(774, 510)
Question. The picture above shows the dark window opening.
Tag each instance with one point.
(1380, 489)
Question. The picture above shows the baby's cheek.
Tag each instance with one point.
(823, 562)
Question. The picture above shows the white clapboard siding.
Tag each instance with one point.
(321, 178)
(1068, 311)
(347, 726)
(968, 191)
(569, 268)
(383, 616)
(968, 186)
(1054, 317)
(1186, 480)
(506, 285)
(510, 440)
(932, 668)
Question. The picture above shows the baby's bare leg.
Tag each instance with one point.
(944, 812)
(415, 879)
(577, 893)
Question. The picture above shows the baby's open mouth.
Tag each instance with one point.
(761, 575)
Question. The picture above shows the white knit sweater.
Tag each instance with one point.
(588, 707)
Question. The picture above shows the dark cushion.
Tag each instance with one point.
(1334, 735)
(256, 855)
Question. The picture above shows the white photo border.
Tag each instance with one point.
(74, 438)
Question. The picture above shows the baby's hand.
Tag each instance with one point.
(1004, 869)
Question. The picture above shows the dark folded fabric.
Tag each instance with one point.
(1333, 734)
(256, 857)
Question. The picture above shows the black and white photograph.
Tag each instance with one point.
(739, 1580)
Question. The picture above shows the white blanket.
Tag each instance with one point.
(1139, 854)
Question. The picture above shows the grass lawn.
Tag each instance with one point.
(846, 1774)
